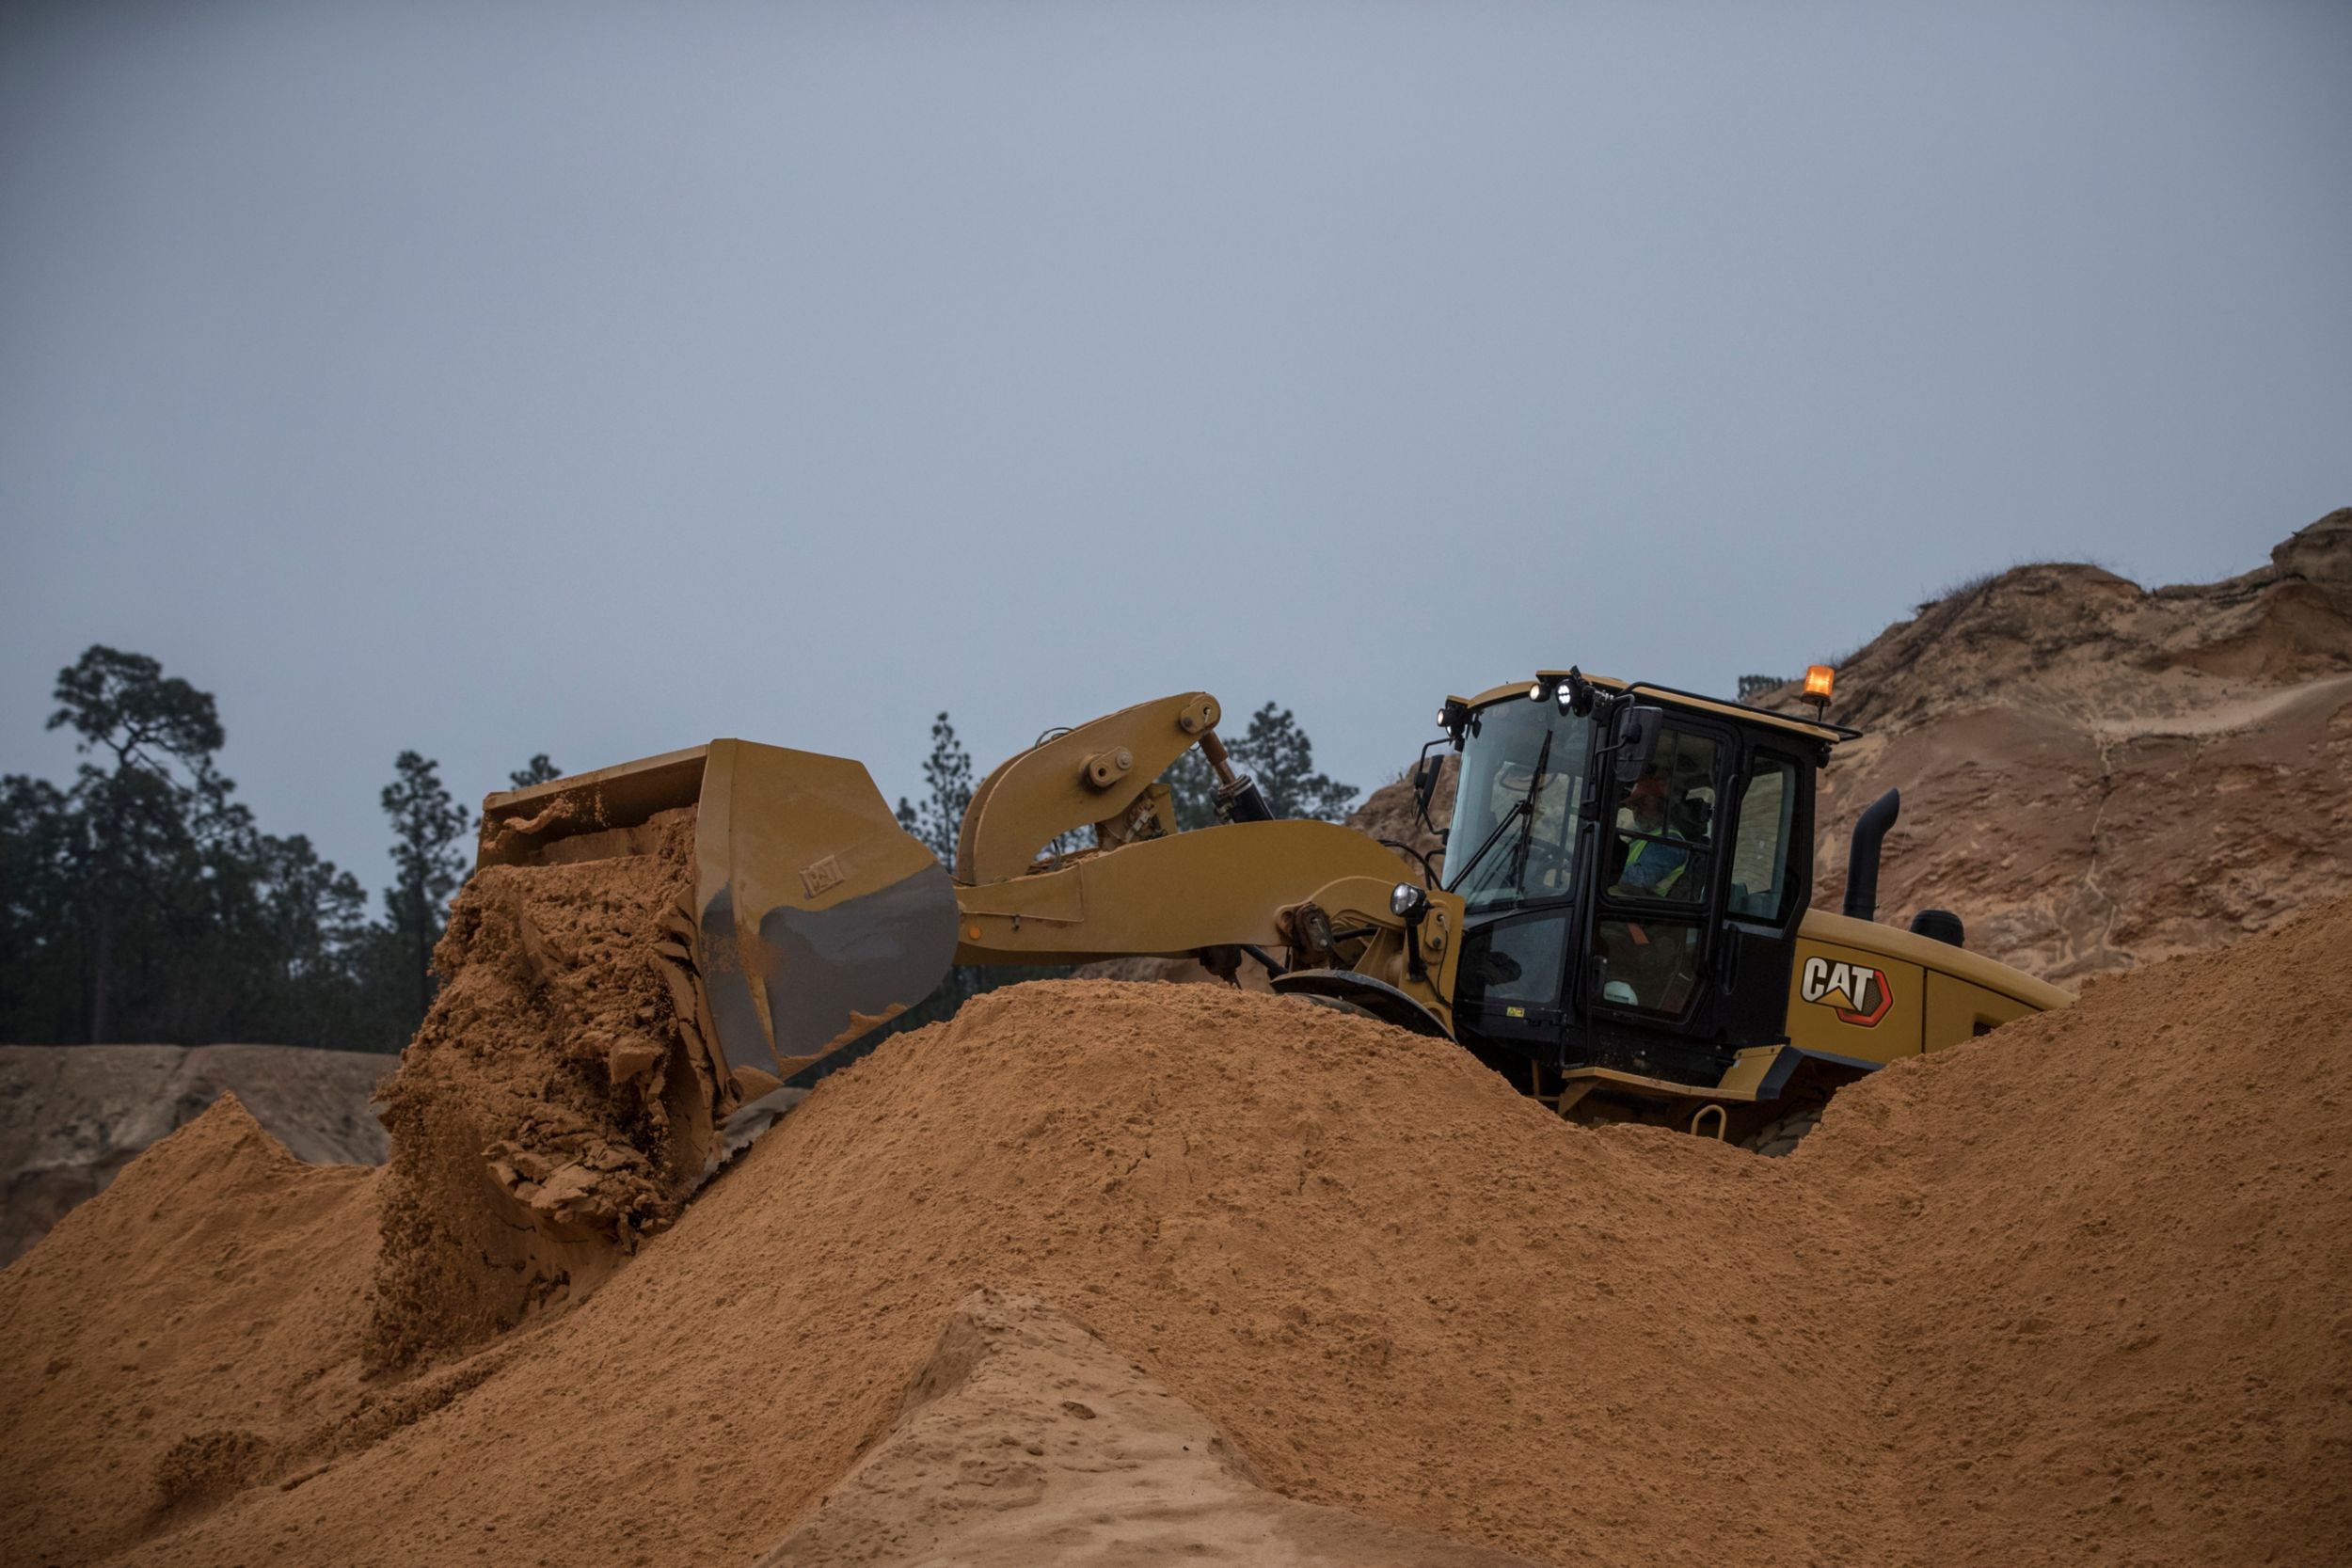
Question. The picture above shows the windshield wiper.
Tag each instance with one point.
(1525, 806)
(1480, 853)
(1527, 822)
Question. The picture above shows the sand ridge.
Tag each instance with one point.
(2097, 776)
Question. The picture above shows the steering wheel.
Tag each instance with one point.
(1548, 864)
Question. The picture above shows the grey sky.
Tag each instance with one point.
(496, 378)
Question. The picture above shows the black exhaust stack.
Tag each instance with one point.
(1939, 925)
(1862, 860)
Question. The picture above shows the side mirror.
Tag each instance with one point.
(1637, 737)
(1425, 781)
(1426, 775)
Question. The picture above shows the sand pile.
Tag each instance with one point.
(1390, 813)
(548, 1116)
(169, 1338)
(2072, 1289)
(2109, 1273)
(72, 1116)
(2096, 775)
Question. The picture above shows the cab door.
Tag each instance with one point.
(1768, 882)
(1652, 934)
(1702, 871)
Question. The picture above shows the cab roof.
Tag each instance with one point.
(1827, 734)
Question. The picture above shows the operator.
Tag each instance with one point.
(1652, 868)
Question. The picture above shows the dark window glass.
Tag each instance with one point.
(1760, 842)
(1647, 964)
(1517, 961)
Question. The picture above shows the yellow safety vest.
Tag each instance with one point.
(1665, 884)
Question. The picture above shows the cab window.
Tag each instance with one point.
(1651, 964)
(1517, 960)
(1760, 842)
(1665, 823)
(1513, 838)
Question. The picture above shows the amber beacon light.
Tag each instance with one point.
(1819, 681)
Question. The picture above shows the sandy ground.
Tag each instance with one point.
(2071, 1292)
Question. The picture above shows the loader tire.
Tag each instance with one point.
(1776, 1138)
(1340, 1004)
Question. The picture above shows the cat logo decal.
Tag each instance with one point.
(1856, 994)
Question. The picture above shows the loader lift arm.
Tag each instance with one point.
(1318, 889)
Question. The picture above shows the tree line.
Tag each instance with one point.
(142, 902)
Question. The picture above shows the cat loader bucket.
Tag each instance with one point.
(813, 915)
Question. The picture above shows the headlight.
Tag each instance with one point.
(1407, 901)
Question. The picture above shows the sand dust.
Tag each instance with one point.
(550, 1113)
(2072, 1293)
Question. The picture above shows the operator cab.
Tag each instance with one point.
(1633, 863)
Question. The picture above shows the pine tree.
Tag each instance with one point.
(1277, 753)
(132, 821)
(947, 772)
(145, 903)
(538, 771)
(427, 824)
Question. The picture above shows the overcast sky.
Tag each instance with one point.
(494, 378)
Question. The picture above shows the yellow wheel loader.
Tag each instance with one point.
(1623, 923)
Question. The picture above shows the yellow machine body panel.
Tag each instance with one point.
(1874, 993)
(1860, 995)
